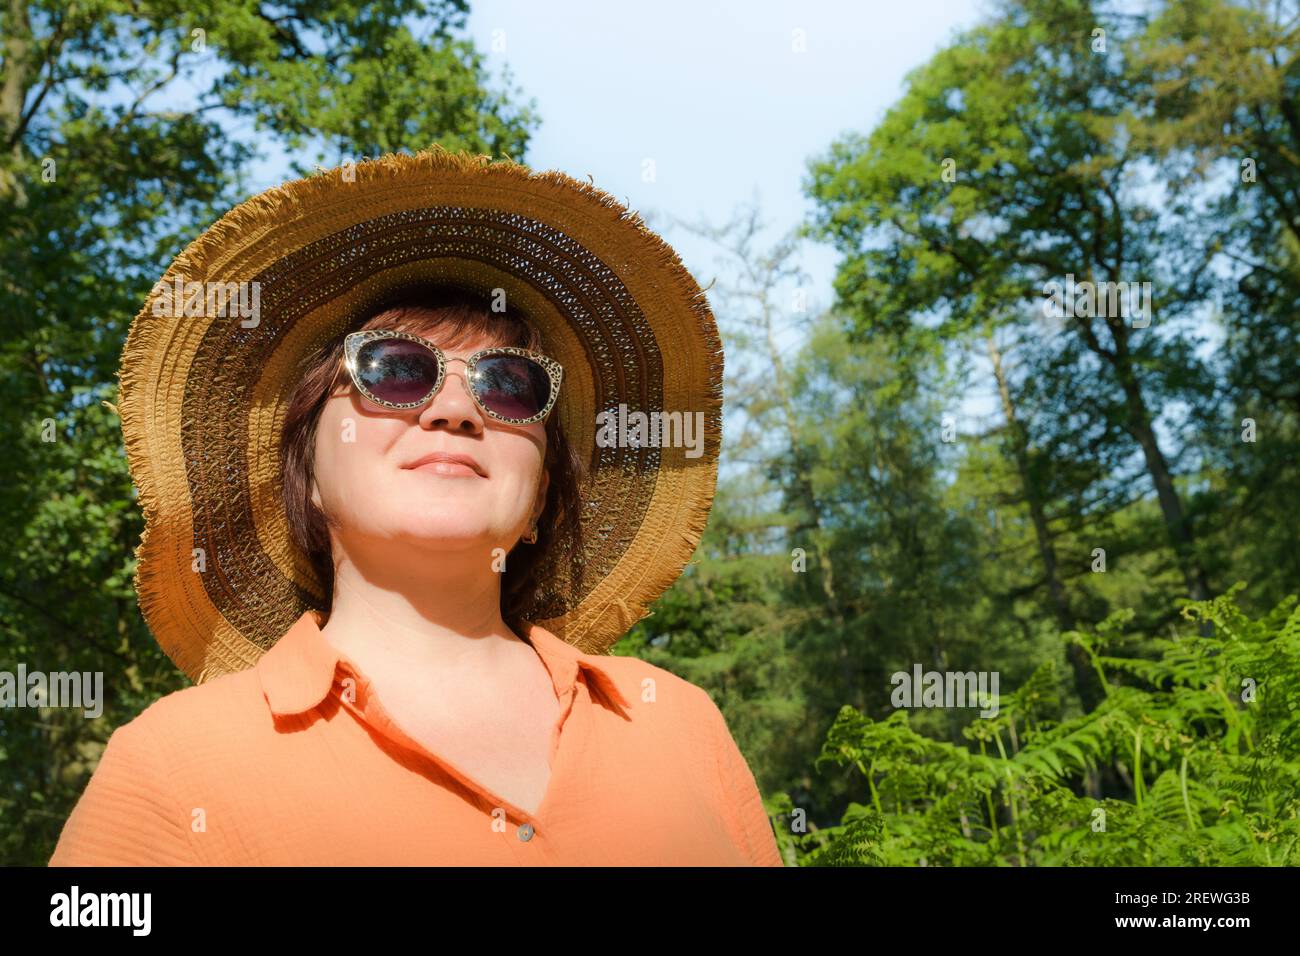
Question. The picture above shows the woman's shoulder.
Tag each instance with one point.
(625, 680)
(632, 672)
(222, 708)
(675, 698)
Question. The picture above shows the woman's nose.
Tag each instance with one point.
(453, 406)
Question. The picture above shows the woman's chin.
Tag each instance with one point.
(447, 537)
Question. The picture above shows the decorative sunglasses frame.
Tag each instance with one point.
(354, 341)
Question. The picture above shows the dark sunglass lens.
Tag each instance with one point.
(512, 386)
(396, 371)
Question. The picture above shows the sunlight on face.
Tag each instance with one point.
(366, 478)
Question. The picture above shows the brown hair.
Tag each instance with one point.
(459, 316)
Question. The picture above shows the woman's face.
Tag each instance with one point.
(367, 478)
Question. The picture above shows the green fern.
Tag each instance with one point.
(1204, 732)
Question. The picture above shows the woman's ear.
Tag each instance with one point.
(315, 493)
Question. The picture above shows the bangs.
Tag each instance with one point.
(451, 318)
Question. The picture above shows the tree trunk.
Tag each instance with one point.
(1171, 507)
(1085, 678)
(1140, 427)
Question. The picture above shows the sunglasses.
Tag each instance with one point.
(398, 370)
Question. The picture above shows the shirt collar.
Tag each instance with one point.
(298, 671)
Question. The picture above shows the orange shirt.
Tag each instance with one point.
(293, 762)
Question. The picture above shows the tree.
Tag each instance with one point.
(1007, 165)
(1226, 125)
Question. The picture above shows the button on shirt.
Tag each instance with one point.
(294, 762)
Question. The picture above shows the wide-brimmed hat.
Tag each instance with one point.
(212, 359)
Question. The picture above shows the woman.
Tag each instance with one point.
(382, 537)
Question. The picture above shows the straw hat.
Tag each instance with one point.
(205, 384)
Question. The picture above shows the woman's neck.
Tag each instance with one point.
(420, 610)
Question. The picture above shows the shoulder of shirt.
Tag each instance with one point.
(640, 681)
(203, 713)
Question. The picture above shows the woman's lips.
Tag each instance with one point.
(449, 464)
(452, 469)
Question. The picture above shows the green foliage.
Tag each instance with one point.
(1206, 732)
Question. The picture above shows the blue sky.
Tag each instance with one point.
(712, 92)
